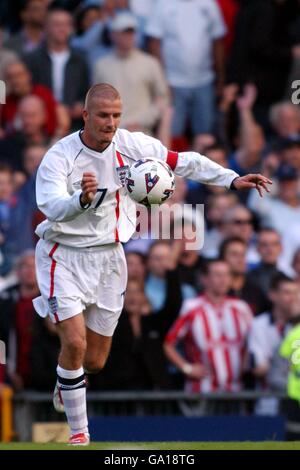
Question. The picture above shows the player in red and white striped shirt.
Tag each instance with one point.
(214, 328)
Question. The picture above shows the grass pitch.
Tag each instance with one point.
(127, 446)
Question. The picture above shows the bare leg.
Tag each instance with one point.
(72, 335)
(70, 374)
(98, 347)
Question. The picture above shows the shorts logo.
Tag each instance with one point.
(122, 173)
(53, 305)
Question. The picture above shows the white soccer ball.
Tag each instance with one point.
(150, 181)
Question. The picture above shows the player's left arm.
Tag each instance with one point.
(200, 168)
(193, 165)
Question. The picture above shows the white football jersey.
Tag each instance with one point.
(112, 215)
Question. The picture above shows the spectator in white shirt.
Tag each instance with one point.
(269, 328)
(188, 36)
(280, 212)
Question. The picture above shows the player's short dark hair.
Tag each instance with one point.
(279, 279)
(227, 242)
(105, 90)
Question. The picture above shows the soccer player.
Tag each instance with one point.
(80, 263)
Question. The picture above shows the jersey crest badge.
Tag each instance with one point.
(122, 173)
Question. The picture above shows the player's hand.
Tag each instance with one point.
(89, 185)
(258, 181)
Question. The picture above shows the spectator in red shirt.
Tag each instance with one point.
(17, 316)
(229, 10)
(214, 328)
(19, 84)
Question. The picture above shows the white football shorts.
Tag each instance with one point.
(89, 280)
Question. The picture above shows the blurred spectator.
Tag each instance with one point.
(59, 67)
(285, 120)
(159, 255)
(216, 206)
(269, 328)
(190, 261)
(137, 76)
(17, 315)
(190, 58)
(296, 266)
(233, 250)
(33, 16)
(87, 14)
(262, 45)
(43, 355)
(92, 37)
(19, 85)
(291, 243)
(136, 360)
(251, 142)
(25, 211)
(287, 203)
(214, 328)
(239, 222)
(6, 55)
(200, 192)
(136, 266)
(6, 220)
(229, 10)
(31, 114)
(269, 248)
(143, 11)
(33, 155)
(290, 153)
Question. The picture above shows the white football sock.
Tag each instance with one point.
(73, 391)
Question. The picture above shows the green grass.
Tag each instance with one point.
(110, 446)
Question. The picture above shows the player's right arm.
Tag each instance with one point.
(53, 198)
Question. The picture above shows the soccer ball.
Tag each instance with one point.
(150, 181)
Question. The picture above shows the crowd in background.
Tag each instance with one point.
(214, 76)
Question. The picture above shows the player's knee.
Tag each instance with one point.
(75, 347)
(94, 365)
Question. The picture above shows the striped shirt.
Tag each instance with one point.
(213, 336)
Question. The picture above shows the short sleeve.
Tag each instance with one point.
(257, 344)
(218, 28)
(154, 27)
